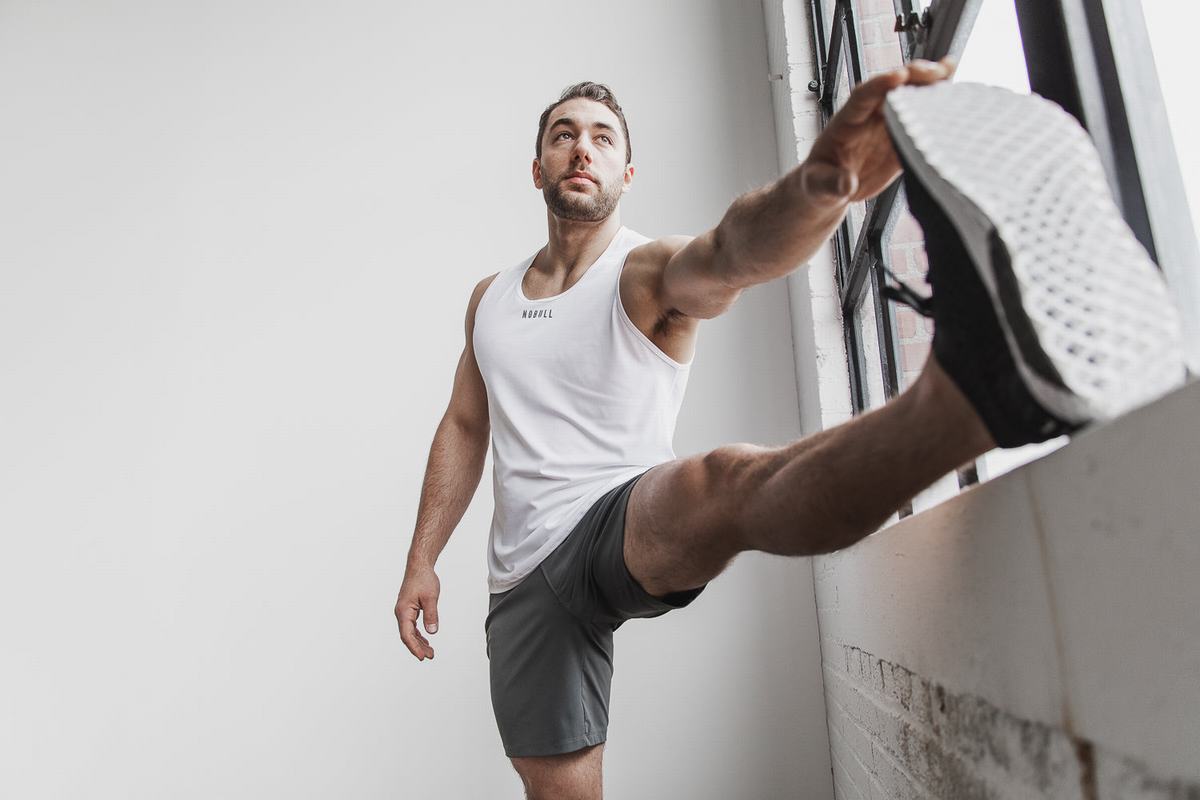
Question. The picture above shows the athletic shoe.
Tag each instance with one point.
(1048, 313)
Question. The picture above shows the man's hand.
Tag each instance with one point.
(853, 158)
(418, 593)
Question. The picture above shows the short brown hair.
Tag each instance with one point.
(588, 91)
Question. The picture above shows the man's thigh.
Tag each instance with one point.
(568, 776)
(550, 673)
(682, 525)
(588, 571)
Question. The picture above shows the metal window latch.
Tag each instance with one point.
(906, 23)
(905, 295)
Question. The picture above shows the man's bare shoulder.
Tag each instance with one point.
(645, 304)
(480, 288)
(476, 296)
(659, 251)
(647, 262)
(683, 274)
(642, 287)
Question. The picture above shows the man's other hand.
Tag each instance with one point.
(418, 594)
(853, 158)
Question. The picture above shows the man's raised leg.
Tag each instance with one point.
(688, 518)
(1034, 337)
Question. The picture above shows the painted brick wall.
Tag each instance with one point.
(897, 734)
(1034, 637)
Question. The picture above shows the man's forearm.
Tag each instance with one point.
(771, 231)
(451, 477)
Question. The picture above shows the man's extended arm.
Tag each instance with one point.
(769, 232)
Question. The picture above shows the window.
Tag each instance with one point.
(880, 243)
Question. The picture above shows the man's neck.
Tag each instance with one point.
(573, 246)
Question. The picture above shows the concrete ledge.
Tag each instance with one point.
(1062, 594)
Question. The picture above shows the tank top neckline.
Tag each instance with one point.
(569, 289)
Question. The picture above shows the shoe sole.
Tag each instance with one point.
(1084, 310)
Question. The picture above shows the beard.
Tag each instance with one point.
(580, 205)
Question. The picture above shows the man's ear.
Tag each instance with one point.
(627, 178)
(537, 174)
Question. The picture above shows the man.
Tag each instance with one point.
(575, 365)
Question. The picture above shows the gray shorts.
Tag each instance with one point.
(550, 637)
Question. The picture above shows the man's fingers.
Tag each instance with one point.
(407, 631)
(417, 644)
(868, 95)
(431, 616)
(826, 180)
(922, 72)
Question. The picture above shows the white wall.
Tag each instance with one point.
(1036, 636)
(238, 242)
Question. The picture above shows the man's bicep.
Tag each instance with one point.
(468, 401)
(693, 278)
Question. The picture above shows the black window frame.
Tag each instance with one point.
(1071, 58)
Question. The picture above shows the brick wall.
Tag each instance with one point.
(896, 734)
(1034, 637)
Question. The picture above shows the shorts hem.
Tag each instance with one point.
(557, 746)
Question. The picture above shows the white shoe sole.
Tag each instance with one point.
(1023, 167)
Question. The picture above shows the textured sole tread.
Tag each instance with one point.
(1021, 167)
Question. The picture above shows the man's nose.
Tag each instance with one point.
(583, 149)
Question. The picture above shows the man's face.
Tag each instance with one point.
(582, 136)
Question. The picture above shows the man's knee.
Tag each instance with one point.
(566, 776)
(734, 469)
(733, 475)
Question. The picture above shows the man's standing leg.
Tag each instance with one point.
(568, 776)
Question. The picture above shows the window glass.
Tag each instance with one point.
(904, 255)
(865, 321)
(993, 53)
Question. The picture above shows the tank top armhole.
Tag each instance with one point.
(637, 333)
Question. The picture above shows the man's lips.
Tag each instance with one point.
(580, 177)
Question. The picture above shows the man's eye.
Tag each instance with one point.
(564, 133)
(605, 138)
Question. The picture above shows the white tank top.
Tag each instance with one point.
(580, 402)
